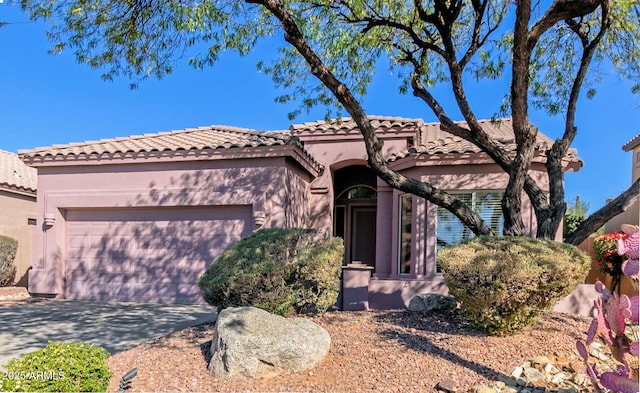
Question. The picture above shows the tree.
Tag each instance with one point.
(575, 215)
(547, 50)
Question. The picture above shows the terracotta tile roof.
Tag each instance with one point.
(200, 138)
(380, 123)
(428, 136)
(15, 175)
(635, 141)
(433, 140)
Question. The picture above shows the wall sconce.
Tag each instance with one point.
(49, 219)
(259, 218)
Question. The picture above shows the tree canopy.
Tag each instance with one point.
(551, 52)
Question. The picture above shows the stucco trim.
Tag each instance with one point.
(423, 159)
(304, 160)
(122, 198)
(17, 190)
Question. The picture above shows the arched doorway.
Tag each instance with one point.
(355, 213)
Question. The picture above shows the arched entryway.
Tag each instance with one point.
(355, 212)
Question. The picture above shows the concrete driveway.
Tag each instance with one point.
(114, 326)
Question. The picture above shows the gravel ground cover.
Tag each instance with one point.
(375, 351)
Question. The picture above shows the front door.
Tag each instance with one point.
(363, 235)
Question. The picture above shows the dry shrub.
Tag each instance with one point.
(505, 283)
(8, 249)
(283, 271)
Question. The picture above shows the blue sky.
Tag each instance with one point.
(48, 100)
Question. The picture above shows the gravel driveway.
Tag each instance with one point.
(114, 326)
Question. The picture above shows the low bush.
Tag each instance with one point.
(8, 249)
(59, 367)
(505, 283)
(282, 271)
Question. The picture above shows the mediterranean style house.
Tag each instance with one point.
(139, 218)
(18, 209)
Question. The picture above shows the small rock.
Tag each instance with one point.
(577, 367)
(521, 382)
(432, 302)
(500, 385)
(539, 361)
(525, 390)
(483, 389)
(597, 353)
(550, 369)
(509, 389)
(449, 386)
(581, 379)
(539, 390)
(533, 375)
(517, 372)
(558, 378)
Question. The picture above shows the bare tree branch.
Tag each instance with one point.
(560, 10)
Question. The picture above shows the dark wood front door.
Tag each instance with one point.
(363, 235)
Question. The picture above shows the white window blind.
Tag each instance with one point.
(449, 229)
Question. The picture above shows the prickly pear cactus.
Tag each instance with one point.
(615, 321)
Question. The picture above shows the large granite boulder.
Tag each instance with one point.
(249, 342)
(432, 302)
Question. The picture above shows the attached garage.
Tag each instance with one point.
(140, 218)
(147, 254)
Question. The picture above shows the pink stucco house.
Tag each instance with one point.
(140, 218)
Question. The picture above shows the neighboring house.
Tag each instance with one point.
(18, 209)
(140, 218)
(632, 214)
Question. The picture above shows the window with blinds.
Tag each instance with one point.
(449, 229)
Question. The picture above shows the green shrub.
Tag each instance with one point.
(8, 249)
(59, 367)
(505, 283)
(282, 271)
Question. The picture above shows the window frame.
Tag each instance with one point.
(474, 200)
(400, 243)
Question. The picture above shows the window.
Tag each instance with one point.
(404, 234)
(359, 192)
(449, 229)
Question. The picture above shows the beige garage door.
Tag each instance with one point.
(147, 254)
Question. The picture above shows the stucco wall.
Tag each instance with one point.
(15, 210)
(261, 183)
(632, 215)
(635, 167)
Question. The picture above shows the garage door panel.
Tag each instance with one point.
(147, 254)
(144, 292)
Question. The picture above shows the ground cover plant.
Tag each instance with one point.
(59, 367)
(282, 271)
